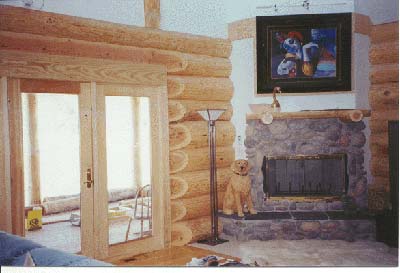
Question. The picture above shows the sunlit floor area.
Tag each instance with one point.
(58, 232)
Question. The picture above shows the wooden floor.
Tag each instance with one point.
(174, 256)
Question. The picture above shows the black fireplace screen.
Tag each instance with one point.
(311, 175)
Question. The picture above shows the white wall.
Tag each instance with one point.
(205, 17)
(129, 12)
(380, 11)
(240, 9)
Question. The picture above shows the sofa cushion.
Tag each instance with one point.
(53, 257)
(23, 260)
(12, 246)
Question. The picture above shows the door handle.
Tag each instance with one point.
(89, 180)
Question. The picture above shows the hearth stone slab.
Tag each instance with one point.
(301, 215)
(288, 205)
(309, 215)
(340, 215)
(291, 229)
(264, 215)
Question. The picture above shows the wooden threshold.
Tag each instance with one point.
(174, 256)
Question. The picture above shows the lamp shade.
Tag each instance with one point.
(211, 114)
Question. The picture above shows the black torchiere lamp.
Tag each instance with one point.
(211, 115)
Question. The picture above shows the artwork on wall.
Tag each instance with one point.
(304, 53)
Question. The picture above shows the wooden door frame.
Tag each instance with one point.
(15, 65)
(86, 162)
(5, 177)
(159, 169)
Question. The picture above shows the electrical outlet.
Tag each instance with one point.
(239, 139)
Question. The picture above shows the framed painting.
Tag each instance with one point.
(304, 53)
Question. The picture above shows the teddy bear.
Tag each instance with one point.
(237, 196)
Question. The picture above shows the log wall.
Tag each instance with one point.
(384, 102)
(198, 70)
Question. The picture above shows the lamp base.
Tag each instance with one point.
(212, 241)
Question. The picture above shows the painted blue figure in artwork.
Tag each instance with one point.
(305, 53)
(292, 46)
(326, 52)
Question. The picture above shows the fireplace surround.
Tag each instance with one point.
(307, 137)
(297, 214)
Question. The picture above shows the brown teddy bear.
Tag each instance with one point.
(238, 190)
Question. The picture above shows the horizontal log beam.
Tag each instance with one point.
(188, 160)
(362, 24)
(206, 66)
(384, 53)
(175, 62)
(184, 232)
(63, 26)
(186, 110)
(242, 29)
(379, 165)
(382, 139)
(192, 184)
(384, 115)
(378, 126)
(384, 73)
(384, 33)
(199, 88)
(378, 148)
(17, 64)
(194, 134)
(384, 96)
(192, 208)
(383, 183)
(379, 145)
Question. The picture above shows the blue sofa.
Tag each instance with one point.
(13, 250)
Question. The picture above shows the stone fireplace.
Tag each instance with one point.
(309, 138)
(308, 181)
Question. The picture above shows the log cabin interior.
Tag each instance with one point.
(106, 159)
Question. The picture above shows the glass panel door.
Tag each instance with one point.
(128, 168)
(126, 127)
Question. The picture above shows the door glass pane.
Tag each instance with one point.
(52, 170)
(128, 144)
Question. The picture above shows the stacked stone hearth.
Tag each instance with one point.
(288, 137)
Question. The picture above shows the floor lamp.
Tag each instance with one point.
(211, 115)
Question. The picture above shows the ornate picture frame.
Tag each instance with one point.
(304, 53)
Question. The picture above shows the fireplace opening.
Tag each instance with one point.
(323, 175)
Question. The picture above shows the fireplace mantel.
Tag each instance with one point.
(344, 114)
